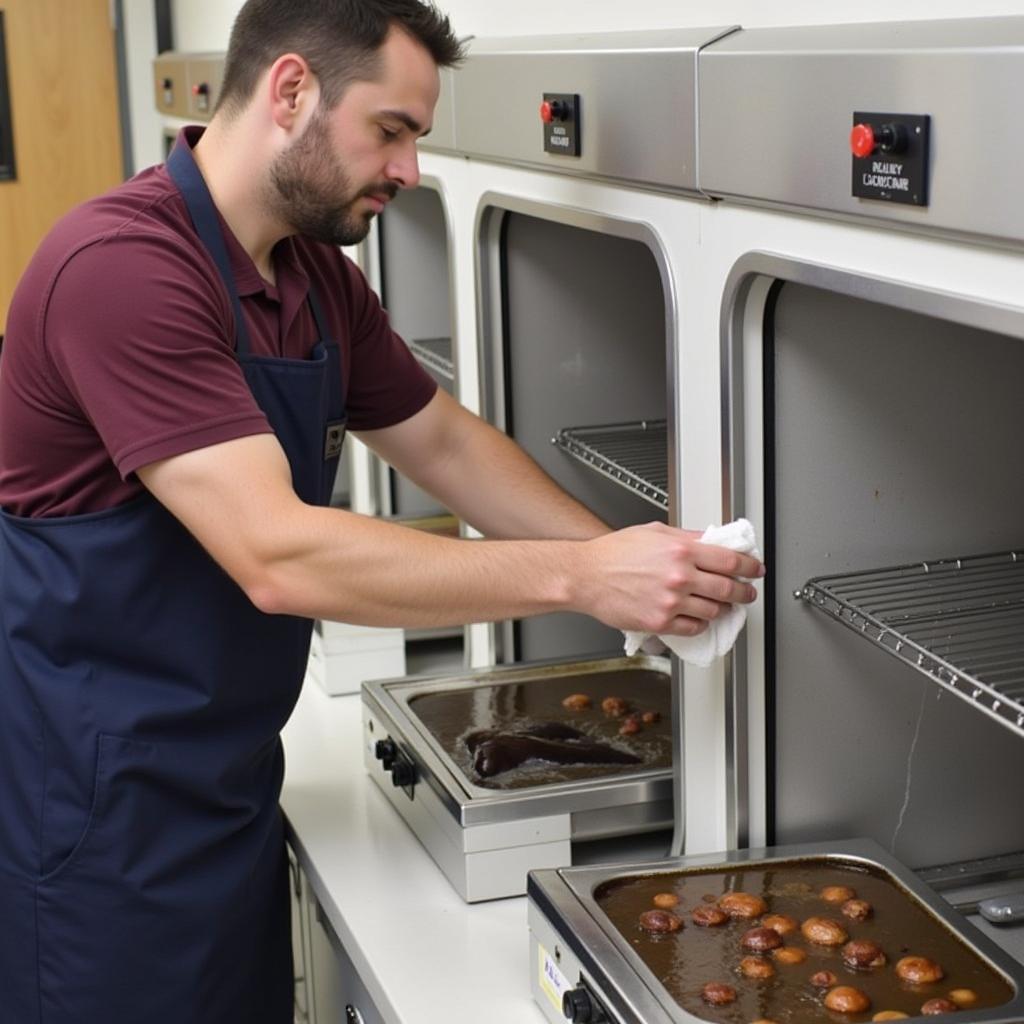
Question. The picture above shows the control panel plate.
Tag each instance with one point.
(562, 132)
(897, 169)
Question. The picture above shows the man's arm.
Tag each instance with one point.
(481, 475)
(291, 558)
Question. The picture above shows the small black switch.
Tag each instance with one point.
(403, 774)
(580, 1007)
(385, 751)
(891, 138)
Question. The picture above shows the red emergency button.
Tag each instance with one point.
(200, 89)
(862, 140)
(547, 112)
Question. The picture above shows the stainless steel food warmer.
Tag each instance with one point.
(486, 839)
(584, 969)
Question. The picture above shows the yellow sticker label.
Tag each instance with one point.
(552, 981)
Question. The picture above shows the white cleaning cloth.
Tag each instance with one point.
(721, 634)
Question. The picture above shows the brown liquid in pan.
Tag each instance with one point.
(451, 715)
(686, 960)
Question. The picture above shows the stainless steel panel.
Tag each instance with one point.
(204, 70)
(442, 135)
(416, 291)
(637, 102)
(895, 435)
(171, 99)
(576, 354)
(776, 110)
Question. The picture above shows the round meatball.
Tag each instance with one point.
(919, 970)
(781, 923)
(789, 955)
(837, 893)
(934, 1006)
(616, 707)
(823, 931)
(743, 904)
(863, 954)
(963, 997)
(577, 702)
(847, 999)
(708, 917)
(760, 940)
(660, 922)
(650, 717)
(756, 967)
(890, 1015)
(630, 726)
(666, 900)
(823, 979)
(857, 910)
(718, 994)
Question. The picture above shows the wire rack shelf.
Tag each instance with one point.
(435, 354)
(634, 455)
(959, 621)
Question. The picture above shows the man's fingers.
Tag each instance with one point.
(696, 607)
(726, 562)
(683, 625)
(722, 589)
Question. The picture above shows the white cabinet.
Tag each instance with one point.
(301, 957)
(327, 988)
(338, 992)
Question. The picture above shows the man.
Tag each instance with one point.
(182, 357)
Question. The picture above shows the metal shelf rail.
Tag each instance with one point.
(634, 455)
(958, 621)
(435, 354)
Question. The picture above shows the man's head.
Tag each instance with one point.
(349, 86)
(340, 39)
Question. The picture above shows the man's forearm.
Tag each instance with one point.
(488, 481)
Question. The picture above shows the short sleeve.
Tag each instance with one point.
(387, 384)
(140, 336)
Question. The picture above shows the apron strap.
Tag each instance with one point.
(183, 170)
(318, 314)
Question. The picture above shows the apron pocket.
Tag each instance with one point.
(113, 756)
(173, 905)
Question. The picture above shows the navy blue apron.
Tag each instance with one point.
(143, 875)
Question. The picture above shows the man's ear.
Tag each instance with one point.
(293, 92)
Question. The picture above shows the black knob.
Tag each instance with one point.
(402, 774)
(579, 1006)
(386, 751)
(892, 138)
(167, 83)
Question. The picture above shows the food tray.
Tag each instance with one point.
(613, 956)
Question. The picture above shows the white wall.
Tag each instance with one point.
(139, 28)
(205, 24)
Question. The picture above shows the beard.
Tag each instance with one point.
(310, 190)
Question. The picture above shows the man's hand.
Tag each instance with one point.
(656, 579)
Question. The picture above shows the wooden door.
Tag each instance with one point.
(62, 77)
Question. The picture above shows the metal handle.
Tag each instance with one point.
(1007, 909)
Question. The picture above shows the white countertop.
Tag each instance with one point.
(424, 955)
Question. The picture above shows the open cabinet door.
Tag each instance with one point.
(61, 64)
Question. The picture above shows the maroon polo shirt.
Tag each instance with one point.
(120, 347)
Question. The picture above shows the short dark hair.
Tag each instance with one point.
(340, 40)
